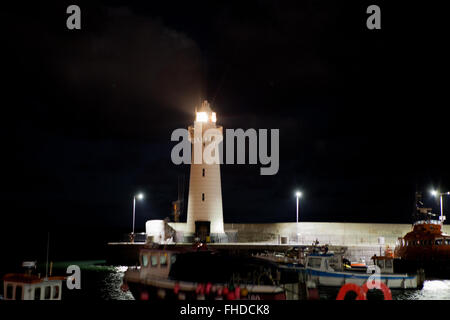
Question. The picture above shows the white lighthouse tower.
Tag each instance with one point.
(204, 212)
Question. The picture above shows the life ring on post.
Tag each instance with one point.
(361, 295)
(383, 287)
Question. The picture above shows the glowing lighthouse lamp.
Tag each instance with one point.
(203, 117)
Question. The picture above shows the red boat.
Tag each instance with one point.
(426, 246)
(173, 273)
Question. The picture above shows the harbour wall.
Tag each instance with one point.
(362, 240)
(335, 233)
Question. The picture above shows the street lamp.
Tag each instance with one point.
(139, 196)
(434, 193)
(298, 195)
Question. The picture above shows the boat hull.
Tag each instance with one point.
(434, 268)
(167, 289)
(338, 279)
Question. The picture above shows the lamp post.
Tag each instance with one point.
(140, 196)
(434, 193)
(298, 194)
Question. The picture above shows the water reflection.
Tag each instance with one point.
(432, 290)
(111, 283)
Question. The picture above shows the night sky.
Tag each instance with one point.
(87, 114)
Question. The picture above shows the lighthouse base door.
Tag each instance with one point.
(202, 230)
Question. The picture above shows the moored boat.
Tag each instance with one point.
(29, 286)
(326, 269)
(426, 246)
(170, 272)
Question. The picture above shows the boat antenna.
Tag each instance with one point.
(48, 245)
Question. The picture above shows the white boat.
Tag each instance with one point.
(28, 286)
(326, 270)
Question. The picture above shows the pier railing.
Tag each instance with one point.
(137, 237)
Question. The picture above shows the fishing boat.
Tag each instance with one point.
(171, 272)
(327, 270)
(426, 246)
(29, 286)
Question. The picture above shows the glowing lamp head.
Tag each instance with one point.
(298, 194)
(202, 117)
(434, 193)
(213, 117)
(140, 196)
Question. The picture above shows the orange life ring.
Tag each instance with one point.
(351, 287)
(384, 288)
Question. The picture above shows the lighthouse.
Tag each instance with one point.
(204, 211)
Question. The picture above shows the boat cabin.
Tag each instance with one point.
(324, 261)
(28, 286)
(31, 287)
(385, 263)
(156, 262)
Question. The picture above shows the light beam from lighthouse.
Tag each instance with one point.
(204, 213)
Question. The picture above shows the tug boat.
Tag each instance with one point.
(29, 286)
(426, 246)
(174, 273)
(327, 270)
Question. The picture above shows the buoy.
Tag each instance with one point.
(225, 291)
(361, 295)
(237, 293)
(383, 287)
(200, 288)
(231, 296)
(144, 295)
(244, 292)
(208, 288)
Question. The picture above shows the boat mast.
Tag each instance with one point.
(46, 264)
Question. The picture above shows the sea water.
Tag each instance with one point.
(102, 282)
